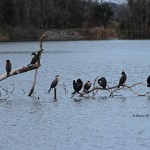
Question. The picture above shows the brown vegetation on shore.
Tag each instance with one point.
(4, 37)
(97, 33)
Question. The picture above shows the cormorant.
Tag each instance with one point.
(77, 85)
(87, 86)
(34, 59)
(8, 67)
(122, 79)
(102, 82)
(148, 81)
(54, 83)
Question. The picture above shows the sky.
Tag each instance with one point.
(116, 1)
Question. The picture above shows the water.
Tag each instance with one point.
(120, 122)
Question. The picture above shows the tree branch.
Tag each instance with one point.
(18, 71)
(114, 89)
(93, 94)
(41, 40)
(130, 88)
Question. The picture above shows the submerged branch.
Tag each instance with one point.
(8, 91)
(4, 99)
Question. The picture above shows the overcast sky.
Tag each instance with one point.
(117, 1)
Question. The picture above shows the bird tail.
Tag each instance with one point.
(148, 85)
(8, 73)
(74, 92)
(119, 86)
(49, 90)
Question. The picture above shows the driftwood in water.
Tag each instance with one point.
(114, 89)
(111, 90)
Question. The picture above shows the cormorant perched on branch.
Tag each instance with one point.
(122, 79)
(54, 83)
(77, 85)
(87, 86)
(102, 82)
(8, 67)
(35, 58)
(148, 81)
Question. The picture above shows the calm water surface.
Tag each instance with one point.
(103, 123)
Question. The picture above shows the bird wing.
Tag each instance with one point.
(34, 59)
(85, 86)
(74, 85)
(8, 67)
(122, 80)
(54, 83)
(79, 86)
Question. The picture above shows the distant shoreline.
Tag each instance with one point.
(97, 33)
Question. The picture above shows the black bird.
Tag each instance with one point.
(34, 59)
(77, 85)
(148, 81)
(87, 86)
(8, 67)
(54, 83)
(122, 79)
(102, 82)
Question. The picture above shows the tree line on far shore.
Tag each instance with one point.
(131, 17)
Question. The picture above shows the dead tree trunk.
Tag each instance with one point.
(35, 74)
(34, 82)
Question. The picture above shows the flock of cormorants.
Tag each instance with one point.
(78, 84)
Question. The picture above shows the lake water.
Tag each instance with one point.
(105, 123)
